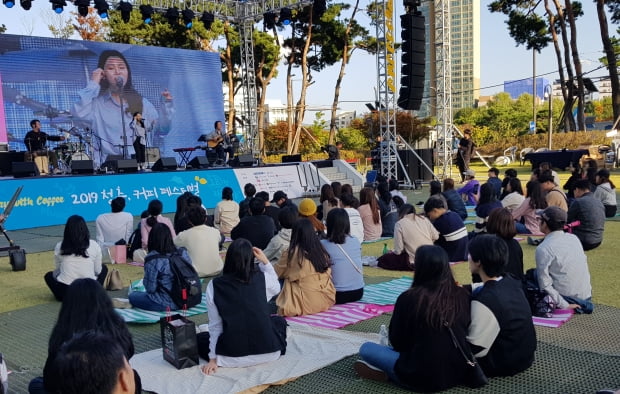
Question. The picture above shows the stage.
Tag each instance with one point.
(50, 200)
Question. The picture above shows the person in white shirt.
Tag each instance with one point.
(281, 241)
(226, 213)
(349, 204)
(202, 243)
(113, 226)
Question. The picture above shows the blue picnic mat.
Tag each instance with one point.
(386, 293)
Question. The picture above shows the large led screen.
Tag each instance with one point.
(88, 92)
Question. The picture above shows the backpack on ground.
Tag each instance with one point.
(135, 242)
(186, 289)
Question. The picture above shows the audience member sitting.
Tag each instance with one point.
(328, 200)
(525, 215)
(393, 187)
(434, 190)
(337, 189)
(411, 232)
(553, 194)
(180, 221)
(453, 198)
(469, 192)
(387, 208)
(155, 209)
(241, 331)
(281, 241)
(345, 253)
(113, 226)
(606, 192)
(546, 166)
(453, 235)
(513, 197)
(226, 213)
(249, 190)
(4, 374)
(270, 210)
(495, 182)
(202, 243)
(307, 210)
(157, 272)
(500, 223)
(85, 307)
(508, 174)
(561, 265)
(569, 186)
(370, 214)
(256, 228)
(486, 204)
(590, 212)
(501, 331)
(347, 189)
(183, 223)
(76, 256)
(281, 200)
(423, 355)
(305, 270)
(349, 203)
(92, 363)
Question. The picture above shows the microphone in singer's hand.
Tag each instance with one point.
(120, 82)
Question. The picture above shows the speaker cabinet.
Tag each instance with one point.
(414, 167)
(121, 165)
(291, 158)
(246, 160)
(82, 167)
(24, 169)
(199, 162)
(165, 164)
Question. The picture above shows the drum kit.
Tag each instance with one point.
(76, 146)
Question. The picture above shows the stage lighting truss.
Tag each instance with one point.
(188, 17)
(102, 8)
(26, 4)
(125, 8)
(207, 19)
(58, 5)
(8, 3)
(147, 13)
(82, 7)
(172, 14)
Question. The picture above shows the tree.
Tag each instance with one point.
(611, 48)
(90, 27)
(58, 25)
(2, 28)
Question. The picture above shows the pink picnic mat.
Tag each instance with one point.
(339, 316)
(560, 316)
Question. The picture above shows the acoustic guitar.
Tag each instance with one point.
(215, 142)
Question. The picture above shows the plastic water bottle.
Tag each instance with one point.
(385, 248)
(383, 336)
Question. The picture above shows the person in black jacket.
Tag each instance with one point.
(256, 228)
(423, 356)
(501, 332)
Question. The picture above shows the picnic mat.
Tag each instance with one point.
(308, 349)
(560, 316)
(342, 315)
(385, 293)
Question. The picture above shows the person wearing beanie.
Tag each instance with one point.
(307, 210)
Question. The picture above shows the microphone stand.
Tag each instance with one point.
(122, 88)
(146, 148)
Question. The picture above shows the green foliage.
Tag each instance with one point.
(2, 28)
(570, 140)
(528, 29)
(353, 139)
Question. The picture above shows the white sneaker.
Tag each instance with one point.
(368, 371)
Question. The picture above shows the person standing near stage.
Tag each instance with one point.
(35, 141)
(100, 103)
(465, 151)
(139, 139)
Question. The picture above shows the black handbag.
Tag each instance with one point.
(17, 258)
(474, 376)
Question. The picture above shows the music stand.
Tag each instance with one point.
(6, 213)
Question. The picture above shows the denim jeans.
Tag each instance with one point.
(521, 229)
(382, 357)
(586, 306)
(139, 299)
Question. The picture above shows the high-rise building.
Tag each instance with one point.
(465, 55)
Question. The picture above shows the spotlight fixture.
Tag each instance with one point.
(26, 4)
(147, 13)
(188, 17)
(82, 6)
(102, 8)
(172, 14)
(58, 6)
(125, 8)
(285, 16)
(207, 19)
(8, 3)
(269, 21)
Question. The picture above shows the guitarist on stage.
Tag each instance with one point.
(219, 141)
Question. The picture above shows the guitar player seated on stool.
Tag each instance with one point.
(220, 142)
(35, 141)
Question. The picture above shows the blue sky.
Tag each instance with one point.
(501, 60)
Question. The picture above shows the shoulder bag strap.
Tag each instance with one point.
(472, 361)
(349, 258)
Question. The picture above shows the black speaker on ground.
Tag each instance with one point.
(427, 156)
(291, 158)
(413, 62)
(121, 165)
(82, 167)
(199, 162)
(411, 164)
(24, 169)
(246, 160)
(165, 164)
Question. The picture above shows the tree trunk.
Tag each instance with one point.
(300, 110)
(262, 95)
(570, 91)
(612, 65)
(558, 55)
(581, 123)
(227, 59)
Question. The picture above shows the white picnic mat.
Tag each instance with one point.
(309, 349)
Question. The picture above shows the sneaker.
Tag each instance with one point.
(121, 303)
(533, 242)
(368, 371)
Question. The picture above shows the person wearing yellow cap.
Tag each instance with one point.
(307, 209)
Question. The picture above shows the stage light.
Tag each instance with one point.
(172, 14)
(269, 21)
(102, 8)
(125, 8)
(285, 16)
(207, 19)
(188, 17)
(58, 6)
(8, 3)
(147, 13)
(82, 6)
(26, 4)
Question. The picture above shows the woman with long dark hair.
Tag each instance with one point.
(345, 253)
(328, 199)
(241, 331)
(513, 194)
(501, 223)
(525, 215)
(453, 199)
(371, 214)
(487, 202)
(305, 270)
(76, 256)
(423, 355)
(157, 272)
(226, 213)
(86, 307)
(154, 210)
(139, 138)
